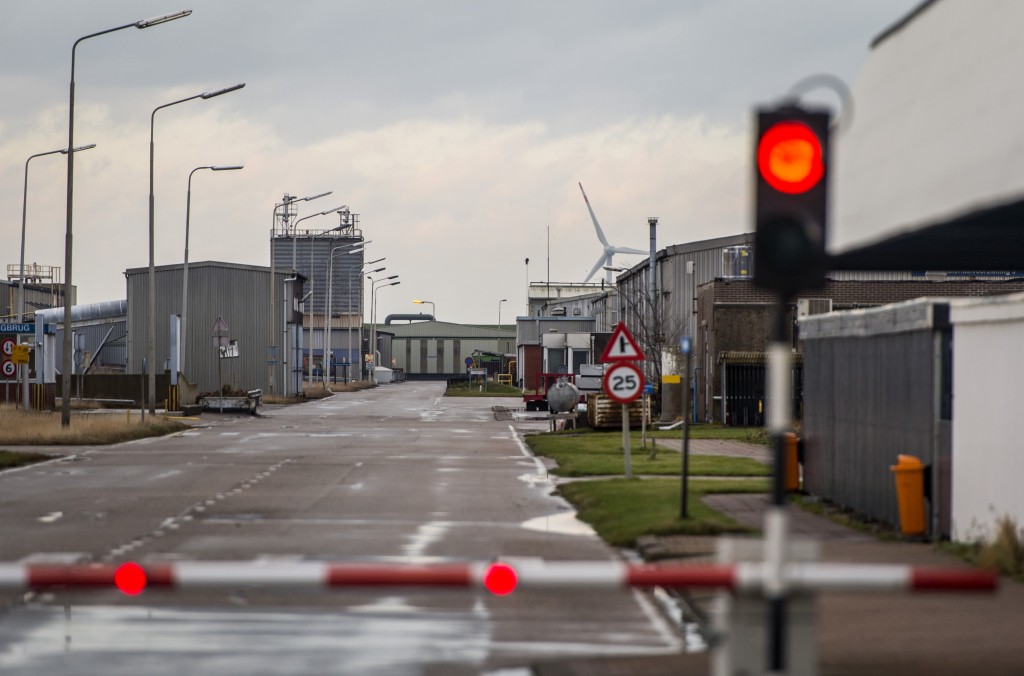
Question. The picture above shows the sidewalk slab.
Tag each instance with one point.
(887, 632)
(728, 447)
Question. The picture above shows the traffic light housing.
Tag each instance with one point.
(791, 198)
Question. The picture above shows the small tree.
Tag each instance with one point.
(657, 327)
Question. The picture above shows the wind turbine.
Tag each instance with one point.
(606, 258)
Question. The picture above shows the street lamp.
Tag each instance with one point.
(363, 273)
(21, 261)
(151, 339)
(65, 404)
(503, 300)
(353, 247)
(184, 270)
(373, 314)
(429, 302)
(312, 281)
(288, 200)
(295, 225)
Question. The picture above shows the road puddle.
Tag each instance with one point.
(562, 523)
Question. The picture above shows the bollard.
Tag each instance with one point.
(792, 463)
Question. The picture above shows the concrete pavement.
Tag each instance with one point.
(858, 633)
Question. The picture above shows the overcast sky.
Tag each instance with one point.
(458, 130)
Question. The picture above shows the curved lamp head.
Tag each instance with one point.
(218, 92)
(157, 20)
(229, 168)
(79, 148)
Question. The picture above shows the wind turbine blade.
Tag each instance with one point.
(597, 266)
(627, 250)
(597, 226)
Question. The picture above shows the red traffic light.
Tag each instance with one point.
(500, 579)
(789, 157)
(130, 578)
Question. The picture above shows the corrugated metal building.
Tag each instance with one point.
(434, 349)
(681, 268)
(562, 299)
(239, 294)
(877, 384)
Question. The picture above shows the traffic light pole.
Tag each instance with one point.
(780, 389)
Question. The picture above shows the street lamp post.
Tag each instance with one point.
(294, 227)
(65, 404)
(430, 303)
(184, 269)
(22, 369)
(373, 315)
(288, 200)
(503, 300)
(354, 247)
(359, 305)
(151, 338)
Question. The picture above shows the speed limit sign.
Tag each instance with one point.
(8, 368)
(623, 382)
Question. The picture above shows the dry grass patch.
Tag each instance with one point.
(34, 428)
(12, 459)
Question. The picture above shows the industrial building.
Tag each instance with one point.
(735, 319)
(237, 294)
(43, 289)
(332, 262)
(438, 350)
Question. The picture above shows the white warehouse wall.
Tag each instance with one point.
(988, 451)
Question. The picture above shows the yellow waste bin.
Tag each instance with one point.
(909, 474)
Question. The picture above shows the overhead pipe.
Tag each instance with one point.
(407, 317)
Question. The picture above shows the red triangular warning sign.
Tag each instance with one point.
(621, 346)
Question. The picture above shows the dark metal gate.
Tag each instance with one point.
(743, 392)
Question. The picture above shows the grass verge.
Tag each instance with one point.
(622, 510)
(463, 389)
(34, 428)
(600, 454)
(12, 459)
(1003, 551)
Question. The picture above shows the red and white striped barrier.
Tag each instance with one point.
(498, 578)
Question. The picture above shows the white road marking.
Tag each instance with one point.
(51, 517)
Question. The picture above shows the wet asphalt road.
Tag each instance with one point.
(397, 474)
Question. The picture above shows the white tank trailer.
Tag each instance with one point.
(563, 396)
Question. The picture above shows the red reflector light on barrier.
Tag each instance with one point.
(130, 578)
(500, 579)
